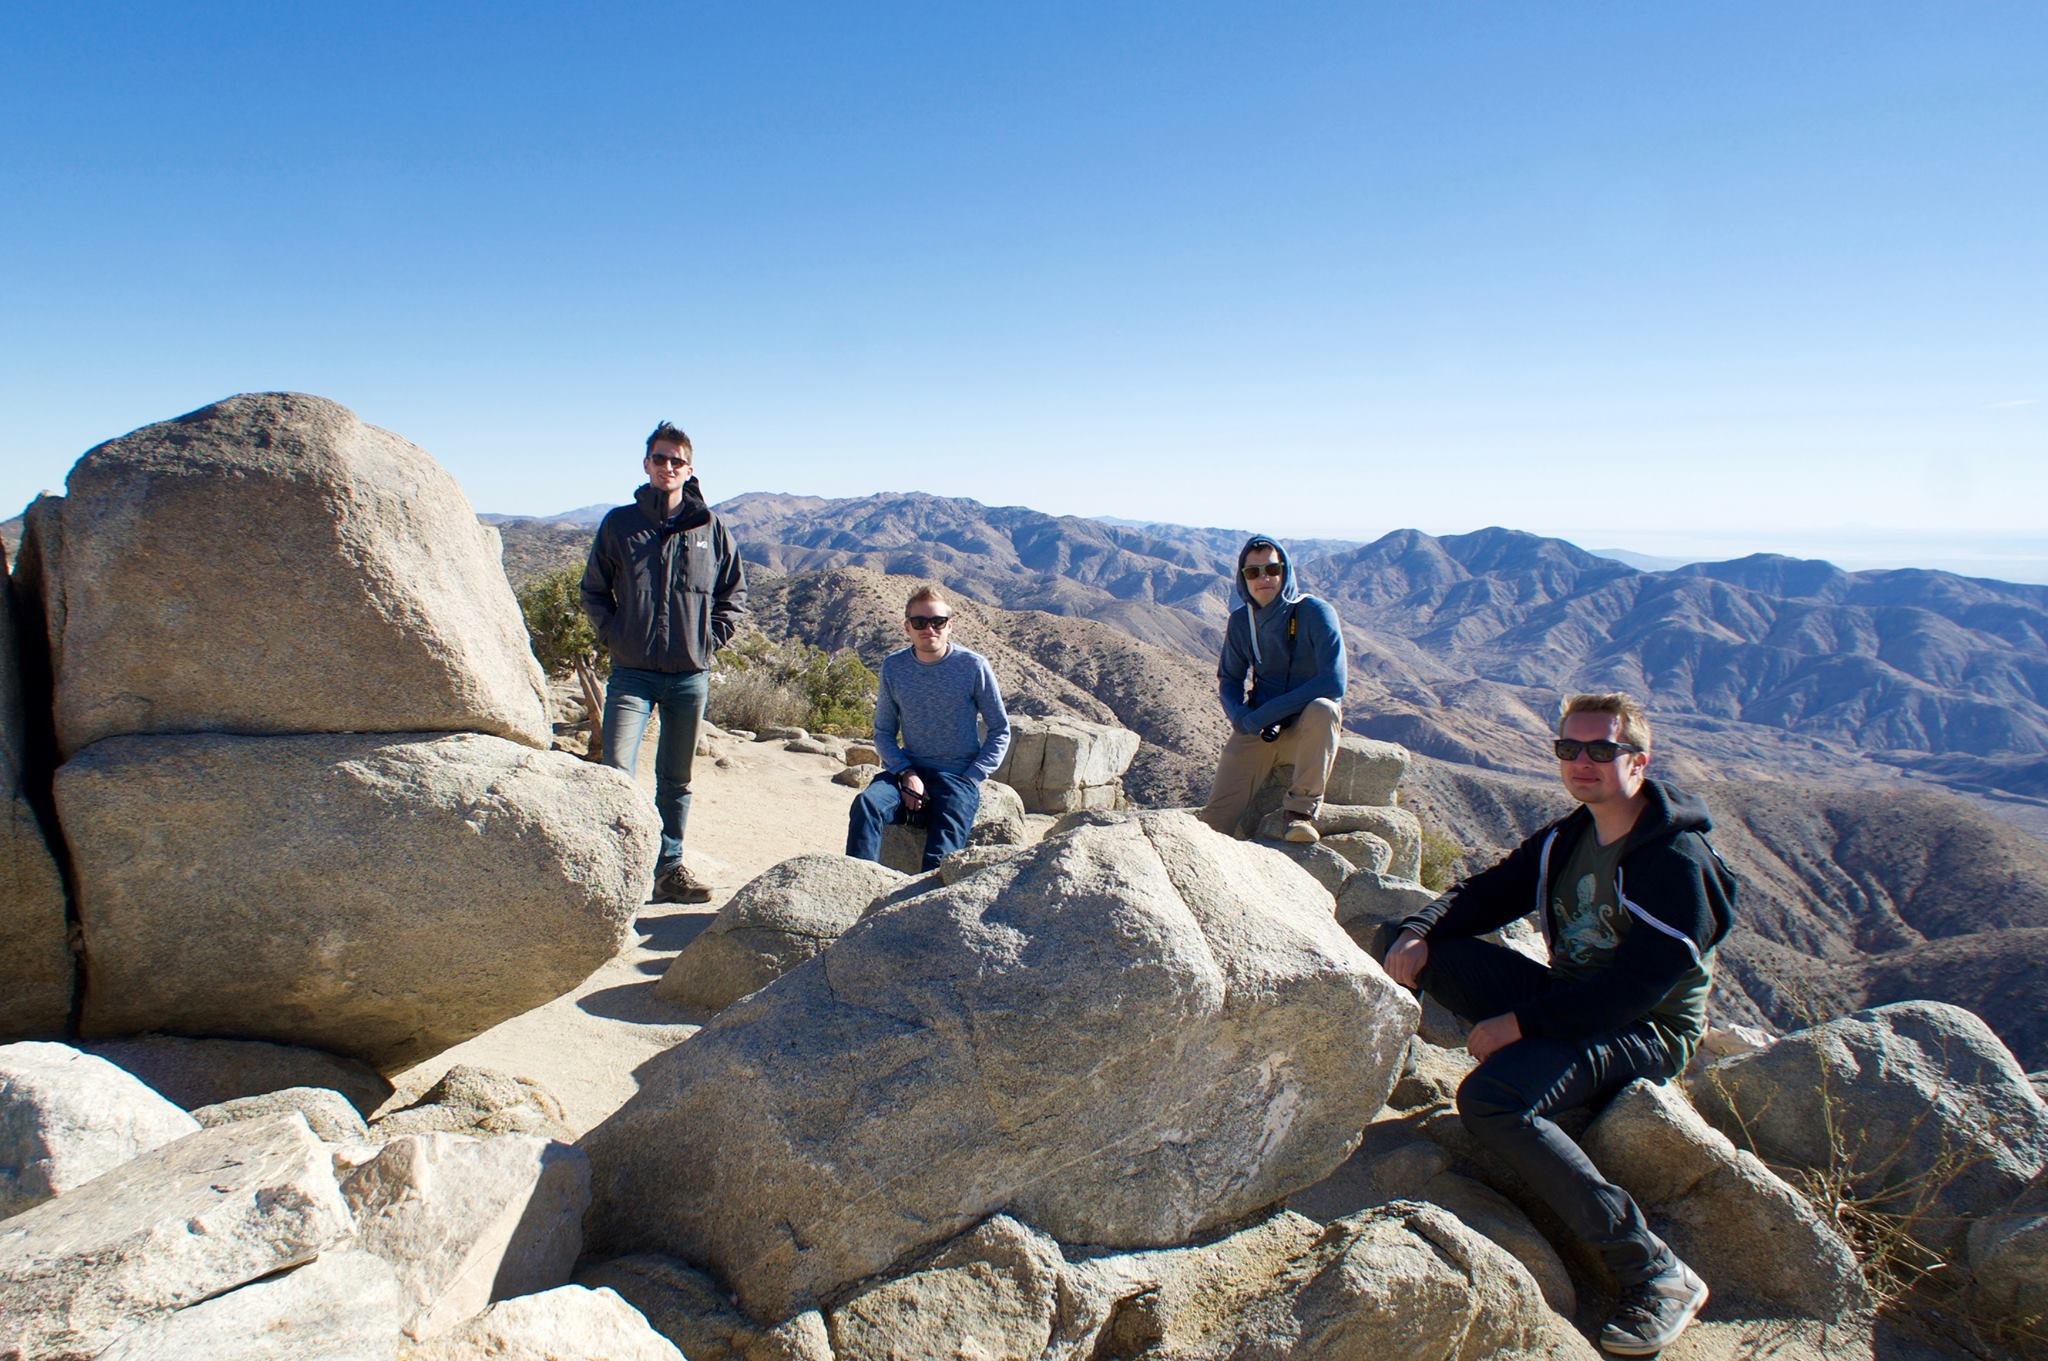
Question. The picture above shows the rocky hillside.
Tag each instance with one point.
(1759, 667)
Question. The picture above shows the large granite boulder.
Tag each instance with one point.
(270, 564)
(465, 1221)
(1399, 1280)
(568, 1323)
(1059, 764)
(343, 1306)
(776, 921)
(192, 1072)
(998, 822)
(175, 1226)
(2008, 1256)
(66, 1117)
(377, 897)
(1747, 1233)
(1366, 771)
(1126, 1035)
(35, 961)
(1918, 1105)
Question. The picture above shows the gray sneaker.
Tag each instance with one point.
(1653, 1313)
(677, 885)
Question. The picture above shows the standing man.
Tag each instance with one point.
(931, 692)
(1633, 901)
(664, 589)
(1281, 681)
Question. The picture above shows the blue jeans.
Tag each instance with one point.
(630, 698)
(1507, 1101)
(951, 801)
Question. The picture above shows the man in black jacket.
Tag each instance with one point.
(1633, 901)
(664, 589)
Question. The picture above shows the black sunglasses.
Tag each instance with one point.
(1265, 569)
(934, 622)
(1601, 751)
(670, 460)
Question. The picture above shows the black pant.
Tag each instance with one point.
(1507, 1101)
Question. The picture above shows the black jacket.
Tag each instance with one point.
(664, 595)
(1669, 878)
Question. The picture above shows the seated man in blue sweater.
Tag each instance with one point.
(1282, 682)
(1632, 899)
(931, 693)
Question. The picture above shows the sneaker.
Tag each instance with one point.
(677, 885)
(1301, 829)
(1653, 1313)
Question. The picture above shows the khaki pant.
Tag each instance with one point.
(1309, 745)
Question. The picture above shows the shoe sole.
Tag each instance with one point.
(1300, 837)
(1651, 1349)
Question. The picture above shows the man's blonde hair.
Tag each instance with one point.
(1635, 724)
(926, 592)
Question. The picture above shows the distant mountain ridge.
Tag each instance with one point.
(1759, 667)
(1460, 644)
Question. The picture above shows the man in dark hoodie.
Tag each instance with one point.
(664, 589)
(1281, 680)
(1633, 900)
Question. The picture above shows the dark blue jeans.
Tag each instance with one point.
(630, 698)
(1507, 1101)
(951, 801)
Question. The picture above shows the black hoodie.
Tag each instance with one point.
(1680, 902)
(664, 593)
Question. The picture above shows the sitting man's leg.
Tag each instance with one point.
(953, 800)
(874, 808)
(1311, 746)
(1245, 761)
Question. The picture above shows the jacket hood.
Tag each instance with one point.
(1670, 811)
(689, 514)
(1290, 588)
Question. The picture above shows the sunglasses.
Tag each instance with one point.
(934, 622)
(669, 460)
(1601, 752)
(1265, 569)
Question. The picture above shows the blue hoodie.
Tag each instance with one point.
(1286, 674)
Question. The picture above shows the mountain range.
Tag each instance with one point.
(1762, 667)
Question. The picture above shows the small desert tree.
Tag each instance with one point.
(555, 623)
(770, 684)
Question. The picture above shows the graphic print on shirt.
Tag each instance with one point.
(1587, 929)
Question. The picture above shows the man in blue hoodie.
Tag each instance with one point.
(1281, 681)
(1632, 899)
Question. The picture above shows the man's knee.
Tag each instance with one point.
(1488, 1106)
(1326, 712)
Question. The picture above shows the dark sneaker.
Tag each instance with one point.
(677, 885)
(1652, 1314)
(1301, 829)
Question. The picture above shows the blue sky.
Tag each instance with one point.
(1751, 275)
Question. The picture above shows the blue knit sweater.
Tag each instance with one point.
(934, 706)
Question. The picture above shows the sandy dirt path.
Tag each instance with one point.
(767, 806)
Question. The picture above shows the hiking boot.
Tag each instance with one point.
(1653, 1313)
(1301, 829)
(677, 885)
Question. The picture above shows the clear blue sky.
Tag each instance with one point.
(1612, 271)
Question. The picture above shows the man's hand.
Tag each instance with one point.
(1404, 962)
(1492, 1035)
(912, 789)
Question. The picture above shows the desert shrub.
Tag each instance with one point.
(798, 684)
(555, 624)
(753, 700)
(1442, 858)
